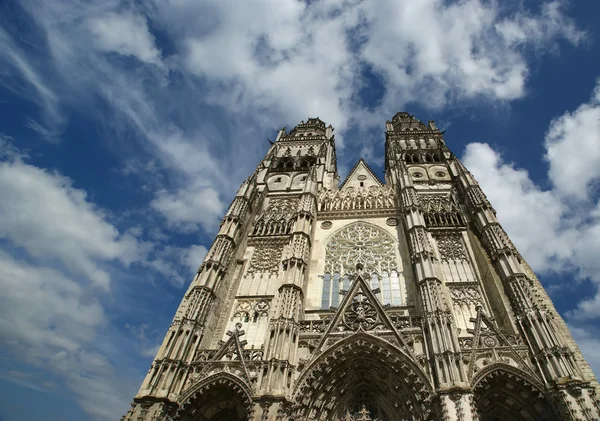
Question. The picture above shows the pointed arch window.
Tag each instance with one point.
(375, 249)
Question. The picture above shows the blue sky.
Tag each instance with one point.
(126, 128)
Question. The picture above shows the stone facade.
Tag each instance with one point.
(401, 299)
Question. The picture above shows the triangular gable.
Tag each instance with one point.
(361, 311)
(361, 173)
(233, 345)
(485, 327)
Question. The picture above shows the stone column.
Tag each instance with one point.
(276, 379)
(440, 330)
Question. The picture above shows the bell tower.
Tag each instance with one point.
(369, 299)
(482, 307)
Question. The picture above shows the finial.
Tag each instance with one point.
(359, 268)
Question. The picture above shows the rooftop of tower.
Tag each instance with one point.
(403, 121)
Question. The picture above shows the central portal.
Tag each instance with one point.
(363, 378)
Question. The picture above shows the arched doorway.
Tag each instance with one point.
(222, 397)
(504, 393)
(363, 373)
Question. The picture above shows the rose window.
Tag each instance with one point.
(375, 250)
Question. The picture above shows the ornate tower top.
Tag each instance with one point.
(313, 129)
(403, 122)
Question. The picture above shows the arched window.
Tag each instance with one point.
(375, 249)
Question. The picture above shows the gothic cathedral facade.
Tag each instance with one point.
(396, 299)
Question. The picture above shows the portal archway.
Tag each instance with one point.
(222, 397)
(505, 393)
(363, 371)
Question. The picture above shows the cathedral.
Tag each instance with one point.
(390, 299)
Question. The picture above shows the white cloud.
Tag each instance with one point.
(281, 55)
(433, 52)
(573, 148)
(58, 250)
(124, 33)
(186, 209)
(8, 151)
(50, 321)
(42, 308)
(18, 68)
(174, 264)
(438, 52)
(193, 256)
(524, 27)
(531, 216)
(45, 215)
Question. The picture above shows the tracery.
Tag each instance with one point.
(375, 250)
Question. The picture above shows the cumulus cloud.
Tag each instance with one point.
(45, 215)
(554, 235)
(60, 317)
(573, 148)
(531, 216)
(282, 56)
(297, 58)
(8, 151)
(193, 256)
(50, 321)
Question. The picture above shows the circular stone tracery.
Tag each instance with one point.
(326, 225)
(360, 243)
(361, 314)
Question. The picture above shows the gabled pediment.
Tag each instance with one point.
(231, 351)
(361, 311)
(361, 176)
(491, 345)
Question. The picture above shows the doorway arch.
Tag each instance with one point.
(363, 372)
(221, 397)
(506, 393)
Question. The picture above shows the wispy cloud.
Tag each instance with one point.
(24, 77)
(126, 34)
